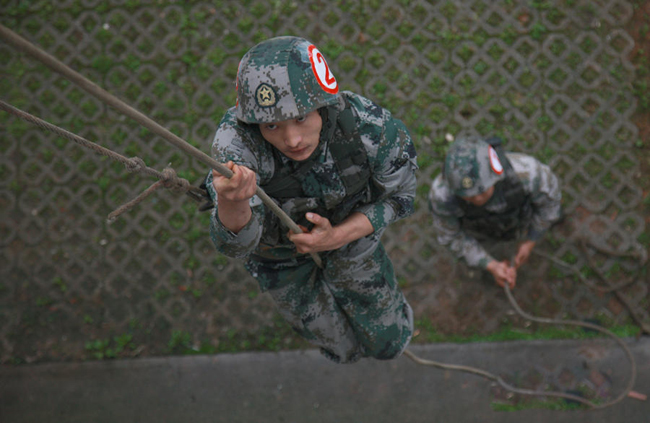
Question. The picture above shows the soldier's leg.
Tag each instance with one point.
(307, 304)
(362, 280)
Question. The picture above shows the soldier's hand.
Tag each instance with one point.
(523, 253)
(240, 187)
(503, 273)
(318, 239)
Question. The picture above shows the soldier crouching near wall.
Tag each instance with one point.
(485, 194)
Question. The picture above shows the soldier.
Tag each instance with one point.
(341, 167)
(485, 194)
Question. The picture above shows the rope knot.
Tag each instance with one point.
(135, 164)
(173, 182)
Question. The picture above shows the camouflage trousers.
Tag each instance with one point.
(352, 308)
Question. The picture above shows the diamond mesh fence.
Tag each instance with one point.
(551, 78)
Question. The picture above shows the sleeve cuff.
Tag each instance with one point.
(483, 262)
(535, 234)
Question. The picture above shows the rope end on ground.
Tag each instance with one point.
(637, 395)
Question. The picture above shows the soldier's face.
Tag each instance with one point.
(482, 198)
(295, 138)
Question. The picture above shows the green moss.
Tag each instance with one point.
(102, 63)
(430, 334)
(550, 404)
(538, 31)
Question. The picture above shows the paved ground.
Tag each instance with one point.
(304, 387)
(554, 79)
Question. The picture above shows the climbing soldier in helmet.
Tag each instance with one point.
(486, 195)
(341, 167)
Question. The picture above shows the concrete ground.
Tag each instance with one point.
(302, 386)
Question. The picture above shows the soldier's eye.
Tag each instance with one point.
(270, 126)
(301, 119)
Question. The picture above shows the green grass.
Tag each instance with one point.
(429, 334)
(554, 404)
(108, 348)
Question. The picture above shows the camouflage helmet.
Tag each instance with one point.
(472, 166)
(283, 78)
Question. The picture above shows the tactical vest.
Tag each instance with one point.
(347, 151)
(507, 224)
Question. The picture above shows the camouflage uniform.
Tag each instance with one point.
(526, 201)
(352, 307)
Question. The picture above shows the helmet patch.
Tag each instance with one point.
(322, 72)
(495, 163)
(265, 95)
(467, 182)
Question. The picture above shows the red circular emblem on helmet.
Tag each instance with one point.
(321, 71)
(495, 163)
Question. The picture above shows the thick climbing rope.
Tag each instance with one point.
(626, 349)
(631, 381)
(84, 83)
(508, 387)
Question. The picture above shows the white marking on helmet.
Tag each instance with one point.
(495, 163)
(322, 72)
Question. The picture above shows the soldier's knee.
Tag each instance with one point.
(388, 348)
(393, 340)
(387, 351)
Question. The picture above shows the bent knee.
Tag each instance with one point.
(388, 355)
(388, 349)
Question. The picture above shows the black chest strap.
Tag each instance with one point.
(348, 153)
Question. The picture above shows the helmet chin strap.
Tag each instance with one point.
(329, 115)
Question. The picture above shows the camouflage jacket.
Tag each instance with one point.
(539, 183)
(388, 197)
